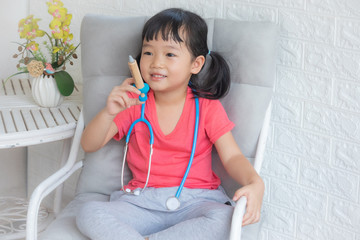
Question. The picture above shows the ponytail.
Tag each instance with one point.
(213, 82)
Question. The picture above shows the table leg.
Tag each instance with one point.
(59, 191)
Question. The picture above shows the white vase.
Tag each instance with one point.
(45, 91)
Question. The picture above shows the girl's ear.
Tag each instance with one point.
(197, 64)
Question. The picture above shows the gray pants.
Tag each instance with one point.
(203, 214)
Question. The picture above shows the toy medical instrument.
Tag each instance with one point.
(172, 203)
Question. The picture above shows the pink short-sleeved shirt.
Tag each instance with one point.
(171, 152)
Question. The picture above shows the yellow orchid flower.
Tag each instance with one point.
(55, 26)
(57, 33)
(58, 12)
(55, 23)
(32, 46)
(66, 32)
(52, 9)
(56, 49)
(63, 13)
(40, 33)
(29, 29)
(67, 20)
(55, 2)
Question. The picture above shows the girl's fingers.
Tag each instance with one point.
(130, 87)
(129, 81)
(133, 89)
(252, 215)
(248, 219)
(238, 194)
(119, 99)
(132, 101)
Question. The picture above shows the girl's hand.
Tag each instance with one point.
(119, 100)
(254, 193)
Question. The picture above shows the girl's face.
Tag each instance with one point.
(168, 65)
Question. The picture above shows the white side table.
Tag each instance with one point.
(22, 124)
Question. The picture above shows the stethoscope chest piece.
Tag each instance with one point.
(172, 203)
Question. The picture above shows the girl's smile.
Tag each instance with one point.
(157, 77)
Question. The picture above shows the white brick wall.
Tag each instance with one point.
(312, 165)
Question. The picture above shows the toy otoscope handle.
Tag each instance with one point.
(139, 83)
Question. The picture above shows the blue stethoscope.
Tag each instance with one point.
(172, 203)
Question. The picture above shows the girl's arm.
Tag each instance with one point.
(98, 132)
(241, 170)
(102, 127)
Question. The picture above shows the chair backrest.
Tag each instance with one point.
(249, 48)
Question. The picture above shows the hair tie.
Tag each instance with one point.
(209, 52)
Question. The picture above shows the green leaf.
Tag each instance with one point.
(15, 75)
(64, 82)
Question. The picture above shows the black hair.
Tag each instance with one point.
(215, 81)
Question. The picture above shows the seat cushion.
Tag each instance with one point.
(64, 226)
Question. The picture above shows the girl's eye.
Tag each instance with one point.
(147, 53)
(170, 55)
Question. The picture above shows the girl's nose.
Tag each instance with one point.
(157, 62)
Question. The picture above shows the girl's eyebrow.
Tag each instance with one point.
(146, 45)
(166, 46)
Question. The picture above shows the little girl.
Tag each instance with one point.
(173, 53)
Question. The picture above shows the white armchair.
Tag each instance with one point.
(249, 48)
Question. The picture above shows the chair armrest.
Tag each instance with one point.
(259, 155)
(240, 207)
(237, 218)
(52, 182)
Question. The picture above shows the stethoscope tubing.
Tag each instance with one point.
(196, 130)
(141, 119)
